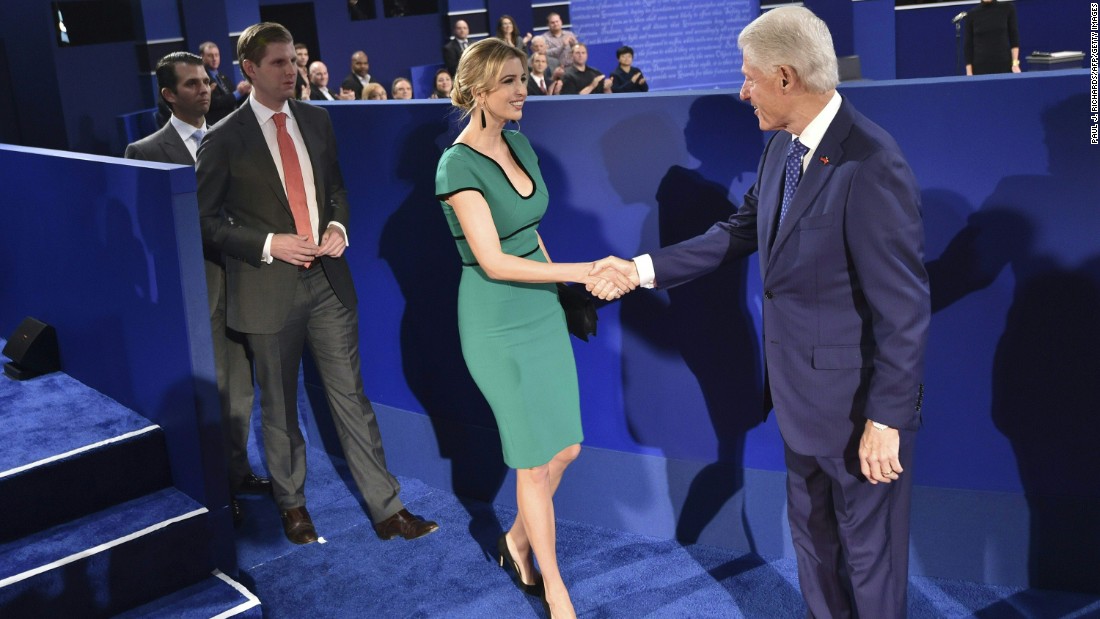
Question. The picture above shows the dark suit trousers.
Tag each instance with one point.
(851, 538)
(234, 375)
(332, 332)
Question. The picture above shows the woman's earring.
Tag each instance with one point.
(482, 118)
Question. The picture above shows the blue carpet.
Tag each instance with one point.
(90, 531)
(55, 414)
(205, 599)
(610, 573)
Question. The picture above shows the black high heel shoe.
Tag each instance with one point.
(506, 560)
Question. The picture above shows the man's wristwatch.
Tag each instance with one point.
(880, 426)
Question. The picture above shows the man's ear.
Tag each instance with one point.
(168, 95)
(247, 68)
(786, 74)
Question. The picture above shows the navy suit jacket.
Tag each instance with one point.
(846, 303)
(242, 199)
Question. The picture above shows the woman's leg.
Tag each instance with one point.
(534, 526)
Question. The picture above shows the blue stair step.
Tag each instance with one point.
(106, 562)
(218, 595)
(70, 451)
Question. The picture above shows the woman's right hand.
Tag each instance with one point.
(607, 284)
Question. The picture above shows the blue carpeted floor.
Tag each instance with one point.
(55, 414)
(610, 573)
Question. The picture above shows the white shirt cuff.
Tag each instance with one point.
(347, 241)
(644, 264)
(266, 255)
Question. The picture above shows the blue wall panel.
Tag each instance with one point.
(628, 173)
(1011, 247)
(110, 255)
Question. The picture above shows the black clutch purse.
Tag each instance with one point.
(580, 310)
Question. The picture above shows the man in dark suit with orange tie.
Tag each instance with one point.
(185, 87)
(272, 199)
(835, 216)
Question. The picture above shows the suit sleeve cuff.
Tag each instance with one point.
(644, 264)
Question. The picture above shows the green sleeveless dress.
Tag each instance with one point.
(513, 334)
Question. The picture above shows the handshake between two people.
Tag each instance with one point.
(611, 277)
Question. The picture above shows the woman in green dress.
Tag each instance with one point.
(511, 326)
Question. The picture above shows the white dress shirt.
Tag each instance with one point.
(264, 116)
(187, 132)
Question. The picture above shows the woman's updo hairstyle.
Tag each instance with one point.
(478, 70)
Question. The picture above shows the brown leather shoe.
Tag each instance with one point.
(298, 526)
(406, 525)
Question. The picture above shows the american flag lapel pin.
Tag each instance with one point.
(824, 160)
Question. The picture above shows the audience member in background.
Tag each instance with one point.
(581, 79)
(442, 84)
(402, 88)
(272, 199)
(554, 70)
(224, 98)
(452, 51)
(360, 74)
(992, 40)
(301, 83)
(374, 92)
(185, 87)
(537, 82)
(507, 32)
(559, 43)
(318, 85)
(626, 78)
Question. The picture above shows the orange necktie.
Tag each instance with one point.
(292, 172)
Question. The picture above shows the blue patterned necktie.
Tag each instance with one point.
(792, 176)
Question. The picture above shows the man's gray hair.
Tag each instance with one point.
(795, 37)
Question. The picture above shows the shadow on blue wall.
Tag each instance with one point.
(417, 246)
(705, 322)
(1045, 367)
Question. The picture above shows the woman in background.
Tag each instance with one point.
(992, 40)
(374, 92)
(507, 32)
(626, 77)
(511, 325)
(441, 84)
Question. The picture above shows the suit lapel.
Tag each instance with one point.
(255, 144)
(829, 154)
(174, 148)
(771, 188)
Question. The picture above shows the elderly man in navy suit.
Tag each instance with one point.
(186, 87)
(835, 215)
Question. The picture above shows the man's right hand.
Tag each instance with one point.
(294, 249)
(626, 267)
